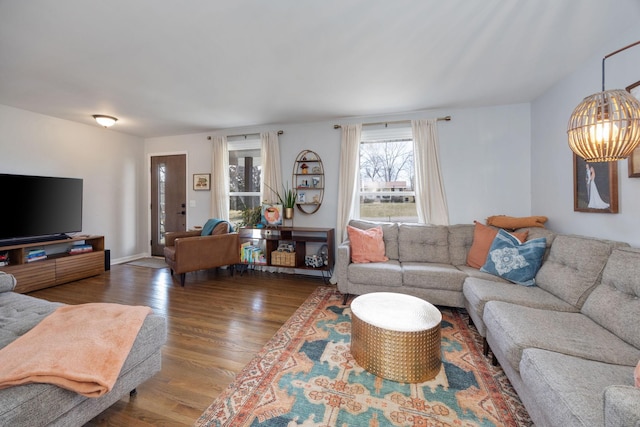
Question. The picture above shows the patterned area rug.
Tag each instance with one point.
(306, 376)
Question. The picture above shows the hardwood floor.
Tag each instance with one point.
(216, 325)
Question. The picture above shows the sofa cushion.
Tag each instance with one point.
(514, 328)
(475, 273)
(423, 243)
(619, 293)
(376, 273)
(19, 313)
(389, 234)
(460, 240)
(366, 245)
(483, 237)
(574, 267)
(477, 292)
(513, 260)
(570, 390)
(432, 276)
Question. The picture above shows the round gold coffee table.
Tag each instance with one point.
(396, 336)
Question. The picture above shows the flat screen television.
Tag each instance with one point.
(38, 208)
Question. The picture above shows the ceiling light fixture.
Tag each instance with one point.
(106, 121)
(605, 127)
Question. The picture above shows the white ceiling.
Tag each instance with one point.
(170, 67)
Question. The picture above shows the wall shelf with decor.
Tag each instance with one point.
(298, 245)
(44, 264)
(308, 178)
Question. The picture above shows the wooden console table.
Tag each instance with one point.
(306, 241)
(57, 268)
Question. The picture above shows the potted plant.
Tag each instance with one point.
(250, 217)
(287, 199)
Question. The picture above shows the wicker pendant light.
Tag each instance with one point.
(605, 126)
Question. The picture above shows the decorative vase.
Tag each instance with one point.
(288, 213)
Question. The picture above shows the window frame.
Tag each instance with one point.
(383, 135)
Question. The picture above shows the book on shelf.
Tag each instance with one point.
(36, 255)
(80, 248)
(4, 258)
(252, 254)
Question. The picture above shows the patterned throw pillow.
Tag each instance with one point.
(483, 236)
(515, 261)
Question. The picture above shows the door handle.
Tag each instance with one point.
(182, 213)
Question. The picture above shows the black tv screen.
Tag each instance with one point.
(38, 206)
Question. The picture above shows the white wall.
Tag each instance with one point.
(552, 160)
(111, 165)
(484, 153)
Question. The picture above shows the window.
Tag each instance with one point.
(387, 191)
(244, 179)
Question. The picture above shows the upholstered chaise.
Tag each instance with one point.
(187, 251)
(41, 404)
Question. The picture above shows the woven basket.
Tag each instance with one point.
(286, 259)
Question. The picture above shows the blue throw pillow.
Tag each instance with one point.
(515, 261)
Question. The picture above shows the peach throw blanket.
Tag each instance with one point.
(78, 347)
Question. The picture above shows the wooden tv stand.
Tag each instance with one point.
(57, 268)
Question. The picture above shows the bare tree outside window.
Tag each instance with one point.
(387, 181)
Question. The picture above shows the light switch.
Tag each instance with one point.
(192, 203)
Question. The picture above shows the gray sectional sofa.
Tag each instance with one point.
(50, 405)
(568, 345)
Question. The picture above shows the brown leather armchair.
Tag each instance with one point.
(187, 251)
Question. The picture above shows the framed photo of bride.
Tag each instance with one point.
(595, 186)
(634, 158)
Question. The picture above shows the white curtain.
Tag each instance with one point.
(220, 178)
(348, 177)
(347, 180)
(431, 201)
(271, 171)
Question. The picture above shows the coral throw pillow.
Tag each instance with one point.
(482, 238)
(366, 245)
(636, 374)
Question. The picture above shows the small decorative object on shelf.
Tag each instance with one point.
(308, 174)
(272, 214)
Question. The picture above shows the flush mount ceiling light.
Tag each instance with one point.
(106, 121)
(605, 127)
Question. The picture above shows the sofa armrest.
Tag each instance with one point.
(204, 252)
(171, 236)
(621, 406)
(7, 282)
(342, 264)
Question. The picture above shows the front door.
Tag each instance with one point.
(168, 198)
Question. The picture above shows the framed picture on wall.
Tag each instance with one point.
(595, 186)
(634, 159)
(202, 181)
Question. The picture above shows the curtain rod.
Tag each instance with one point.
(445, 118)
(280, 132)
